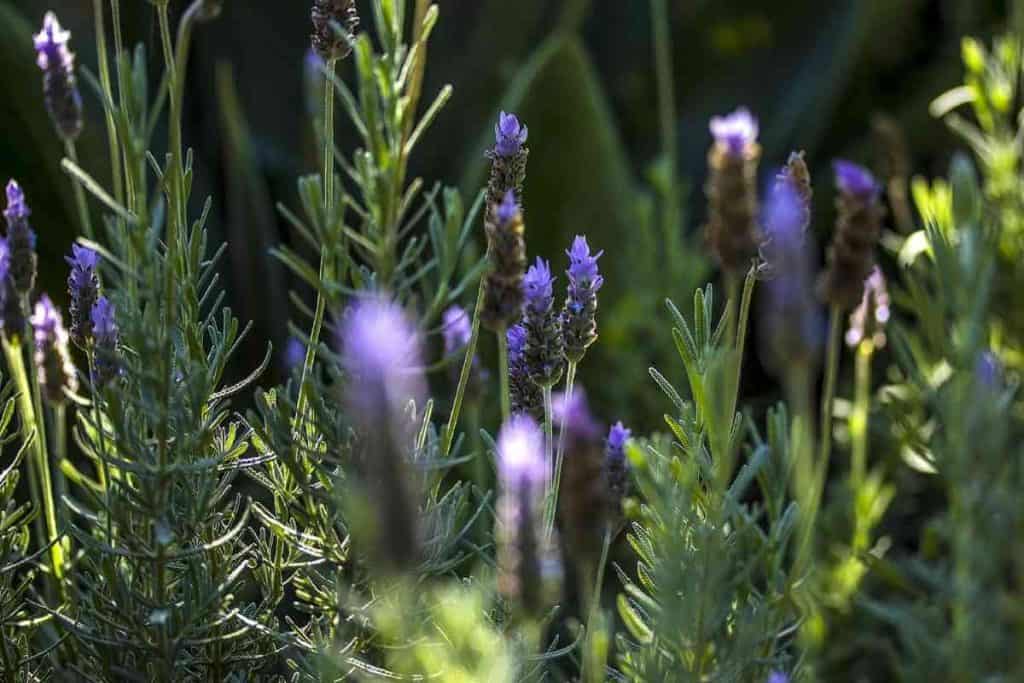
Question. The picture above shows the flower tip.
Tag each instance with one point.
(735, 131)
(618, 435)
(509, 135)
(521, 451)
(854, 179)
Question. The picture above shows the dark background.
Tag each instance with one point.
(818, 74)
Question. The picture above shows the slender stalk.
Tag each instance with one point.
(860, 415)
(467, 366)
(325, 261)
(829, 391)
(570, 381)
(741, 337)
(39, 473)
(732, 288)
(506, 400)
(556, 472)
(108, 94)
(83, 207)
(594, 601)
(104, 466)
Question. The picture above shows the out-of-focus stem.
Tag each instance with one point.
(860, 415)
(467, 367)
(506, 400)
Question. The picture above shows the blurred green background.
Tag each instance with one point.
(820, 75)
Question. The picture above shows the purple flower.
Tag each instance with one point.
(735, 132)
(778, 677)
(792, 321)
(63, 101)
(381, 353)
(868, 320)
(989, 371)
(509, 135)
(508, 208)
(579, 319)
(521, 462)
(537, 287)
(572, 414)
(294, 353)
(56, 372)
(524, 394)
(583, 273)
(105, 334)
(516, 336)
(618, 435)
(83, 288)
(21, 239)
(854, 179)
(456, 328)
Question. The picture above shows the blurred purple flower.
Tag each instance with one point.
(21, 239)
(83, 289)
(63, 101)
(56, 372)
(572, 414)
(294, 353)
(869, 319)
(854, 179)
(456, 329)
(521, 463)
(509, 135)
(736, 131)
(778, 677)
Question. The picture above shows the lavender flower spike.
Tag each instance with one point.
(12, 315)
(22, 241)
(508, 159)
(579, 317)
(544, 345)
(106, 337)
(56, 371)
(84, 289)
(522, 554)
(60, 90)
(851, 257)
(526, 398)
(506, 250)
(381, 355)
(732, 230)
(335, 23)
(616, 467)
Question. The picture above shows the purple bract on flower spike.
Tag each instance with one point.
(523, 553)
(335, 23)
(106, 342)
(525, 396)
(851, 256)
(380, 351)
(736, 132)
(22, 241)
(83, 289)
(544, 345)
(56, 372)
(579, 317)
(868, 320)
(732, 231)
(60, 90)
(509, 135)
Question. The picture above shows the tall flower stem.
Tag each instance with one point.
(829, 390)
(467, 366)
(83, 207)
(594, 605)
(570, 381)
(326, 269)
(108, 93)
(506, 401)
(556, 471)
(39, 473)
(860, 416)
(732, 288)
(740, 339)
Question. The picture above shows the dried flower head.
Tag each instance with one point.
(335, 23)
(83, 289)
(522, 552)
(579, 317)
(732, 231)
(858, 229)
(22, 241)
(868, 320)
(381, 356)
(506, 248)
(525, 395)
(106, 338)
(60, 90)
(544, 345)
(56, 372)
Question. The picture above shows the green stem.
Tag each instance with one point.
(467, 366)
(551, 510)
(731, 290)
(83, 207)
(570, 381)
(741, 337)
(594, 600)
(829, 391)
(108, 94)
(506, 401)
(860, 415)
(325, 263)
(32, 428)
